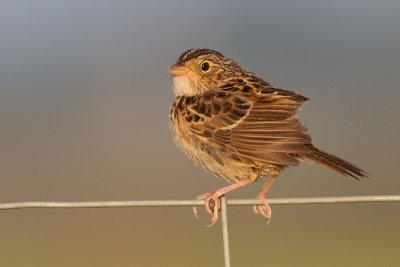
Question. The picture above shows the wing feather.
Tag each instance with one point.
(260, 125)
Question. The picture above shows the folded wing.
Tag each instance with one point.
(259, 125)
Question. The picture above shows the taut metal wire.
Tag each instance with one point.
(176, 203)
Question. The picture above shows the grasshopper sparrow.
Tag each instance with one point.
(239, 127)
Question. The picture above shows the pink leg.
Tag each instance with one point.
(264, 209)
(212, 198)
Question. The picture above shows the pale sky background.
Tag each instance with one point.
(84, 99)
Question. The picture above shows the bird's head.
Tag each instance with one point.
(199, 70)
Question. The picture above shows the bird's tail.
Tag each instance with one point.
(337, 164)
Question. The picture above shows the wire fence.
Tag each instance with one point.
(224, 207)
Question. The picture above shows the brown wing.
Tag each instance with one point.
(259, 125)
(214, 112)
(272, 132)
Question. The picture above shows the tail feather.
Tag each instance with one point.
(337, 164)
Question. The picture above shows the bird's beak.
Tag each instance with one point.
(178, 70)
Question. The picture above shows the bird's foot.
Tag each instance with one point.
(211, 202)
(263, 210)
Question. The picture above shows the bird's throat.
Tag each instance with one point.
(183, 86)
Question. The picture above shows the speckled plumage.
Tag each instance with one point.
(236, 125)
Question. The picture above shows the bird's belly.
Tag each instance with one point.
(223, 162)
(220, 162)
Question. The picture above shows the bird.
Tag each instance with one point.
(239, 127)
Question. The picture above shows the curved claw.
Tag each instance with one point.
(196, 215)
(263, 210)
(211, 205)
(255, 210)
(214, 218)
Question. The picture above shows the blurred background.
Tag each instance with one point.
(84, 98)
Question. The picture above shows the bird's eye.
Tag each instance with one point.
(205, 66)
